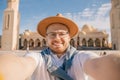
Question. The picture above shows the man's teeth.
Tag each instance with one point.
(57, 44)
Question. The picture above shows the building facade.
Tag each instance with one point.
(88, 37)
(10, 31)
(115, 24)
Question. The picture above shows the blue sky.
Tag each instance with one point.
(93, 12)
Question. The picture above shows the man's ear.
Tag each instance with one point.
(70, 38)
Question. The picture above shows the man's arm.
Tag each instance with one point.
(13, 67)
(104, 68)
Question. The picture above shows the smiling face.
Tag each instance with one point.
(58, 38)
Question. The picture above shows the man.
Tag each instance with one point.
(59, 61)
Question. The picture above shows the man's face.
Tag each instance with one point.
(58, 38)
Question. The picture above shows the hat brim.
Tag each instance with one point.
(42, 25)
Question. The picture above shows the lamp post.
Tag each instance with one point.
(27, 33)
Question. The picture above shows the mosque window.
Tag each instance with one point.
(7, 21)
(119, 17)
(112, 21)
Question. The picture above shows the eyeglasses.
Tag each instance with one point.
(54, 34)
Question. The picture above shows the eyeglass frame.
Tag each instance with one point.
(60, 34)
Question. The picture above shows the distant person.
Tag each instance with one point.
(104, 53)
(59, 61)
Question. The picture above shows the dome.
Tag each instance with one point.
(103, 32)
(87, 28)
(27, 32)
(79, 29)
(82, 33)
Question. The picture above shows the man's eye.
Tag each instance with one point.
(53, 34)
(62, 34)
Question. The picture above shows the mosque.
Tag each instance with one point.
(88, 37)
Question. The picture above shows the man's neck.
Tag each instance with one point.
(59, 54)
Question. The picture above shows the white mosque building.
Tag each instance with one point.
(88, 37)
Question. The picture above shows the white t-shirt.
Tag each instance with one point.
(76, 71)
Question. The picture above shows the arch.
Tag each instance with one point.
(90, 43)
(78, 41)
(103, 42)
(43, 43)
(37, 43)
(97, 42)
(20, 43)
(25, 43)
(31, 43)
(84, 42)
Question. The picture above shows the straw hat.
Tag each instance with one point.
(43, 25)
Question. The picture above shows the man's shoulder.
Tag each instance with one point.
(85, 55)
(33, 54)
(36, 55)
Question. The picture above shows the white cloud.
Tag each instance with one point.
(87, 12)
(94, 5)
(104, 9)
(97, 17)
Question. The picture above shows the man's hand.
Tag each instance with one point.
(104, 68)
(13, 67)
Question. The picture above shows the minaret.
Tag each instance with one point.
(115, 24)
(10, 30)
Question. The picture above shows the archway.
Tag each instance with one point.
(37, 43)
(103, 42)
(25, 44)
(84, 42)
(90, 43)
(31, 44)
(97, 42)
